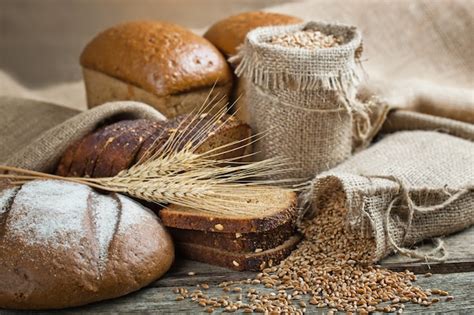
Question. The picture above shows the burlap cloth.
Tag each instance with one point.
(304, 100)
(417, 54)
(411, 185)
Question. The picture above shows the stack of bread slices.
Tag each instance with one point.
(241, 242)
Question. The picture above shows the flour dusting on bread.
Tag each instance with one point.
(49, 212)
(6, 196)
(106, 217)
(55, 213)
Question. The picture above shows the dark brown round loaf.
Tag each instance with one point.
(116, 147)
(229, 33)
(64, 244)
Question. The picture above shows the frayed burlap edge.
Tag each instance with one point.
(358, 218)
(341, 76)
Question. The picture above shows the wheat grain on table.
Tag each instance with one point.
(159, 298)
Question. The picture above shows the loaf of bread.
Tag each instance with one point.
(228, 34)
(63, 244)
(157, 63)
(116, 147)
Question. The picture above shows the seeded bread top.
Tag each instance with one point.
(229, 33)
(161, 58)
(281, 209)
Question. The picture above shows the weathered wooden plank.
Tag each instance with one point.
(160, 299)
(460, 247)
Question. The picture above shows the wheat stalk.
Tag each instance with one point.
(175, 173)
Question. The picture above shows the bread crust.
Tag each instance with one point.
(121, 152)
(238, 261)
(160, 57)
(106, 246)
(102, 88)
(228, 34)
(284, 210)
(113, 148)
(236, 242)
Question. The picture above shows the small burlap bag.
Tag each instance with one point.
(303, 99)
(35, 134)
(409, 186)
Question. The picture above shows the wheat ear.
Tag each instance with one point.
(175, 173)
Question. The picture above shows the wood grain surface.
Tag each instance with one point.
(460, 247)
(159, 298)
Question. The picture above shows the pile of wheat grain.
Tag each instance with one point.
(330, 268)
(307, 39)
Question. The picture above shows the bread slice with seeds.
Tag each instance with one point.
(236, 242)
(253, 261)
(279, 206)
(240, 242)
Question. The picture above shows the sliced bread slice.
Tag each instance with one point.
(238, 261)
(278, 207)
(236, 242)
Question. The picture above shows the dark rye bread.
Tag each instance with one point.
(238, 261)
(113, 148)
(107, 150)
(236, 242)
(226, 130)
(280, 207)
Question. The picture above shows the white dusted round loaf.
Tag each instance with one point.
(64, 244)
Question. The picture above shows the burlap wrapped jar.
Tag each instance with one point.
(303, 100)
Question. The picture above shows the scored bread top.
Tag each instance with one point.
(159, 57)
(64, 244)
(280, 208)
(229, 33)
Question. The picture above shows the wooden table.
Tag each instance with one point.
(455, 275)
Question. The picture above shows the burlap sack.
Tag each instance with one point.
(50, 129)
(406, 120)
(367, 123)
(409, 186)
(303, 99)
